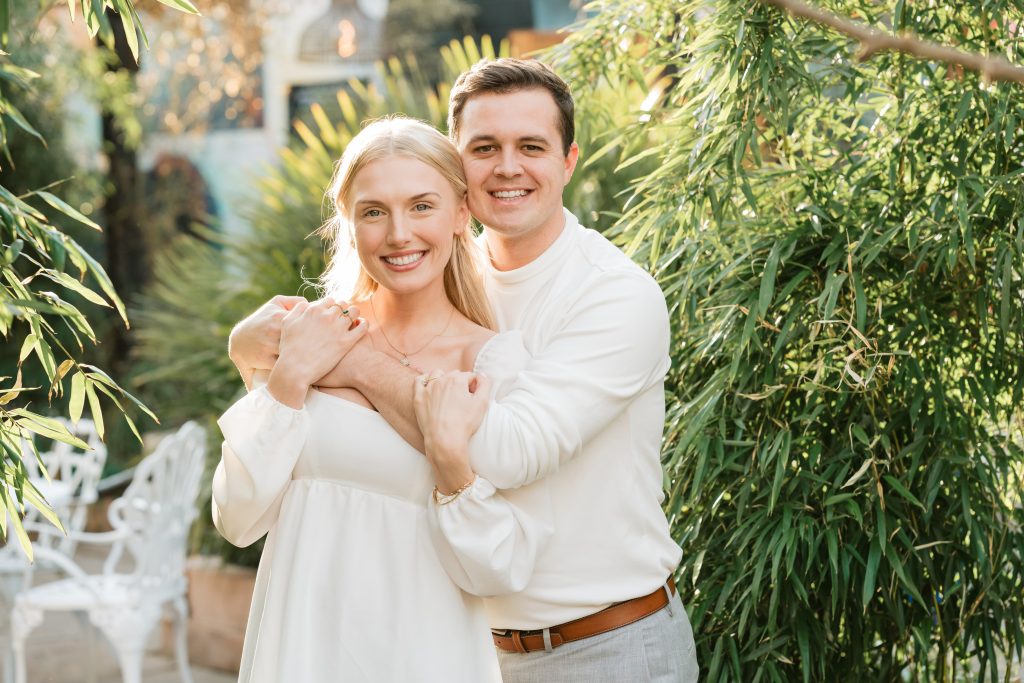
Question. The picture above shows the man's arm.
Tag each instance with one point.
(253, 345)
(385, 383)
(611, 347)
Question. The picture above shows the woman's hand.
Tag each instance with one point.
(254, 341)
(449, 409)
(314, 337)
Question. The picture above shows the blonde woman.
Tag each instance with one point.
(350, 586)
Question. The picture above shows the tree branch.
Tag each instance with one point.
(873, 41)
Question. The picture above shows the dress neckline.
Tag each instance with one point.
(476, 364)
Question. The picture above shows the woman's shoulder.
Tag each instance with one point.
(500, 354)
(474, 337)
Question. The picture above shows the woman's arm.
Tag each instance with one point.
(265, 431)
(262, 442)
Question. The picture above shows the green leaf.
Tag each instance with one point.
(902, 490)
(5, 21)
(35, 499)
(135, 431)
(45, 355)
(76, 286)
(95, 408)
(108, 288)
(871, 571)
(26, 347)
(125, 14)
(768, 281)
(48, 427)
(1005, 295)
(14, 518)
(963, 108)
(11, 112)
(77, 401)
(860, 305)
(68, 210)
(182, 5)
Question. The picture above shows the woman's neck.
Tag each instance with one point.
(408, 318)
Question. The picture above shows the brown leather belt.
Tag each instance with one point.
(618, 615)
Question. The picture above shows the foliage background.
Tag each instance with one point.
(841, 247)
(45, 275)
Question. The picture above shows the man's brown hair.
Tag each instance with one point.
(506, 75)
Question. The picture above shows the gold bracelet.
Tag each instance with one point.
(445, 498)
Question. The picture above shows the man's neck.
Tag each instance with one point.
(513, 252)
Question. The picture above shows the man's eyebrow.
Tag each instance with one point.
(477, 139)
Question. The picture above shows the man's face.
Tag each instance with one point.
(511, 145)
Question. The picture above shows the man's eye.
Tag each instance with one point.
(484, 149)
(532, 148)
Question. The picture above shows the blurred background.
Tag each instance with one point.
(840, 241)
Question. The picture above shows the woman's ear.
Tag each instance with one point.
(462, 217)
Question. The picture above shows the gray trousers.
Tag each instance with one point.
(656, 649)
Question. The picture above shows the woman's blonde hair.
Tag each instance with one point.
(406, 137)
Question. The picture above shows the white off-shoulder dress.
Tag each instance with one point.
(351, 587)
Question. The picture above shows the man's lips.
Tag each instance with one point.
(509, 194)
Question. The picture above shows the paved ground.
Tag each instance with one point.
(63, 650)
(66, 648)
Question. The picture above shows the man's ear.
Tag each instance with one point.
(570, 161)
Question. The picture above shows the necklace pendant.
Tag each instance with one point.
(404, 360)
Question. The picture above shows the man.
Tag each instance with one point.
(586, 414)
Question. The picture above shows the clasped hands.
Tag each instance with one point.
(300, 341)
(306, 344)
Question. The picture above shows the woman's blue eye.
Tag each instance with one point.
(422, 207)
(371, 213)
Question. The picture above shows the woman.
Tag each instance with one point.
(350, 586)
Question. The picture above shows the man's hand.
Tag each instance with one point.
(343, 374)
(314, 337)
(254, 342)
(449, 409)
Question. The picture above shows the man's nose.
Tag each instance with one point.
(508, 164)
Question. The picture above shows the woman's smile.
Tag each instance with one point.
(404, 261)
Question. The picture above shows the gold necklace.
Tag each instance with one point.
(404, 360)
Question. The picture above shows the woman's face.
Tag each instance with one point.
(405, 218)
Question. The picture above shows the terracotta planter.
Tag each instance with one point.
(218, 598)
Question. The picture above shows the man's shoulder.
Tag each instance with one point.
(605, 262)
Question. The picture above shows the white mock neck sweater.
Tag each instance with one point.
(575, 444)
